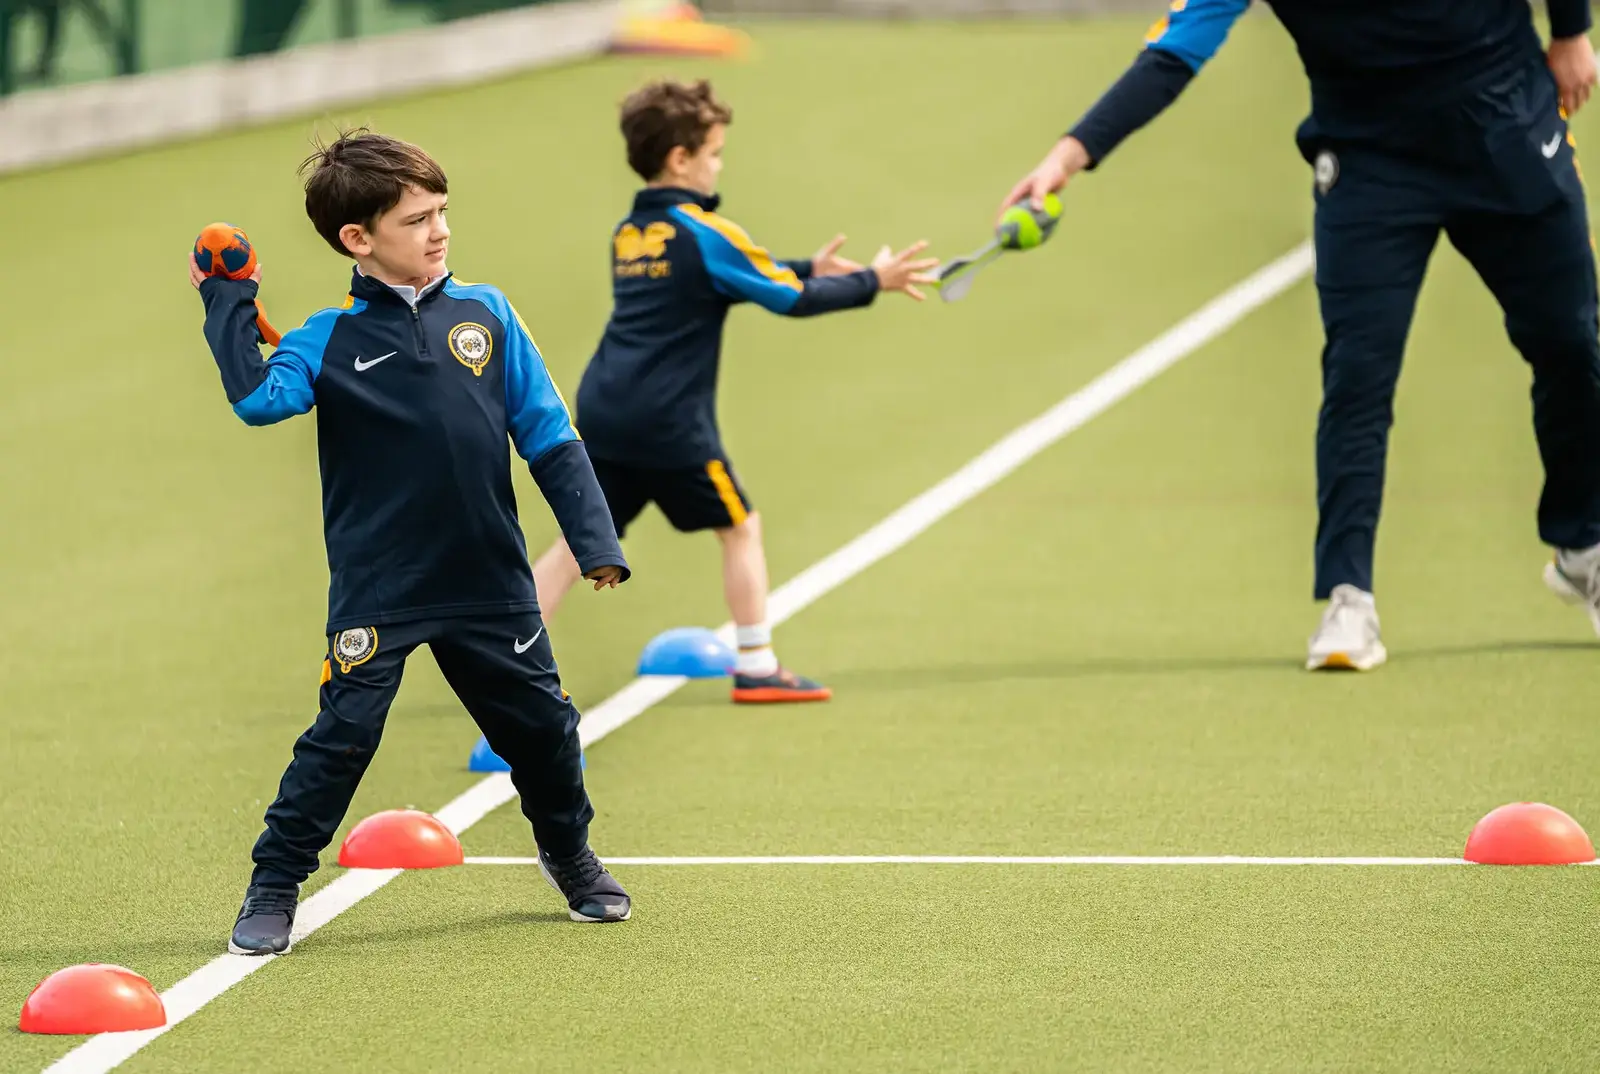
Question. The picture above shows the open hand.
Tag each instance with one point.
(1066, 159)
(608, 577)
(829, 263)
(1571, 61)
(904, 270)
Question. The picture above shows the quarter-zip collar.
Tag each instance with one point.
(370, 288)
(665, 197)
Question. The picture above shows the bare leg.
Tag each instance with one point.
(554, 574)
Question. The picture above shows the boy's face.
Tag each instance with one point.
(408, 243)
(699, 171)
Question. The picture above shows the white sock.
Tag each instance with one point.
(755, 657)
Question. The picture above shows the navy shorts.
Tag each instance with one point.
(707, 497)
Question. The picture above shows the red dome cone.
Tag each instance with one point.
(1528, 833)
(96, 997)
(400, 839)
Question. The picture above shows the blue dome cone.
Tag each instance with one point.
(484, 759)
(693, 652)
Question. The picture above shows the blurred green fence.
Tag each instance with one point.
(57, 42)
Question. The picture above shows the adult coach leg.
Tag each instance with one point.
(1376, 225)
(1541, 269)
(504, 672)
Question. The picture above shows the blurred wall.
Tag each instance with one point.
(270, 80)
(45, 43)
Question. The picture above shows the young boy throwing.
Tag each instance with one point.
(418, 380)
(647, 402)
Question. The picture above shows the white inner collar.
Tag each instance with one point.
(411, 294)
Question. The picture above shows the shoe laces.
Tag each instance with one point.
(270, 900)
(580, 870)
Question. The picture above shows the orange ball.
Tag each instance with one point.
(224, 250)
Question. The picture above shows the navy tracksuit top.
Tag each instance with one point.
(1374, 66)
(415, 405)
(648, 396)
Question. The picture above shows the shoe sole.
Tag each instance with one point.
(1558, 584)
(1371, 658)
(777, 695)
(583, 919)
(235, 949)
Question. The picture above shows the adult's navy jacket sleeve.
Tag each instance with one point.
(261, 392)
(1175, 49)
(1568, 18)
(743, 271)
(1143, 92)
(542, 430)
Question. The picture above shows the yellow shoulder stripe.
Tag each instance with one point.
(741, 240)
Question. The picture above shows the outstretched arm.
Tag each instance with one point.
(746, 272)
(1175, 49)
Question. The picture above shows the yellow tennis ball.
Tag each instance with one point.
(1023, 227)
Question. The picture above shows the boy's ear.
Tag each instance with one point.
(355, 239)
(677, 160)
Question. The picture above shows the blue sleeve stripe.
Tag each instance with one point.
(285, 393)
(537, 416)
(292, 371)
(1193, 30)
(738, 267)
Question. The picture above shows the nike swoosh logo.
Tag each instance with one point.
(522, 647)
(362, 367)
(1550, 147)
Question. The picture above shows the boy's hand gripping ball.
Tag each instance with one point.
(225, 250)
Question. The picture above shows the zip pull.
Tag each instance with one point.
(422, 338)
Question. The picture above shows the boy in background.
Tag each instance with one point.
(647, 401)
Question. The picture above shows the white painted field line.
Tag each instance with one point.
(106, 1051)
(1004, 859)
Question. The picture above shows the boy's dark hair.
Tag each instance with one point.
(665, 114)
(359, 176)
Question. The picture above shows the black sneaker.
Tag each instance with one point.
(592, 894)
(264, 921)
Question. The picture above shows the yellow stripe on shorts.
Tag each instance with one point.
(726, 491)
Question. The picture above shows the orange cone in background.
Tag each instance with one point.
(1528, 833)
(673, 28)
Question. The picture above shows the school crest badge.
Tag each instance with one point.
(472, 345)
(352, 648)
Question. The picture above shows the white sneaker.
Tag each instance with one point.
(1347, 638)
(1575, 578)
